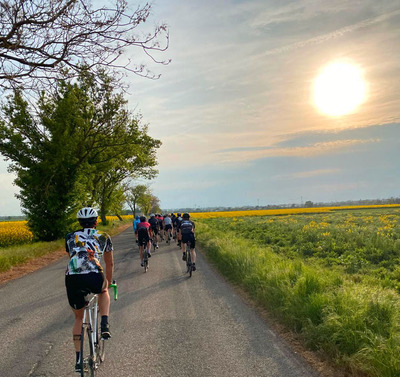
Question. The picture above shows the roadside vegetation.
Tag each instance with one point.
(18, 247)
(332, 277)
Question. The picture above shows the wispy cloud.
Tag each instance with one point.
(255, 153)
(334, 34)
(308, 174)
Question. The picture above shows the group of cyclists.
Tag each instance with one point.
(85, 247)
(165, 227)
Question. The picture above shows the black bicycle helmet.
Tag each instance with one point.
(143, 219)
(186, 216)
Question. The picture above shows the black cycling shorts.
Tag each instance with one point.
(168, 227)
(154, 230)
(78, 286)
(189, 238)
(143, 239)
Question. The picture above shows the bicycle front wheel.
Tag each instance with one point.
(87, 354)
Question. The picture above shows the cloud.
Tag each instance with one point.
(321, 148)
(308, 174)
(9, 204)
(331, 35)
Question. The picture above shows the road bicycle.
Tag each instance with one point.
(154, 243)
(92, 352)
(189, 264)
(168, 241)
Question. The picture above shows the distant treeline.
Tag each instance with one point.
(12, 218)
(306, 204)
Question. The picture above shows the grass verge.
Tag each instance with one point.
(19, 254)
(353, 325)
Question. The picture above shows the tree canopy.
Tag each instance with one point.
(76, 150)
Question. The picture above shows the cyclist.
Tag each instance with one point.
(173, 217)
(154, 227)
(160, 219)
(168, 226)
(135, 224)
(186, 231)
(85, 275)
(177, 225)
(144, 234)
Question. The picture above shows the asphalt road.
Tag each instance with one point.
(163, 324)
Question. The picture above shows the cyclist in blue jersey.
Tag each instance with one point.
(84, 273)
(135, 224)
(186, 232)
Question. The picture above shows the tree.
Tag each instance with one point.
(40, 38)
(130, 152)
(68, 155)
(155, 204)
(133, 196)
(145, 202)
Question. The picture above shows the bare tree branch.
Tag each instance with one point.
(41, 38)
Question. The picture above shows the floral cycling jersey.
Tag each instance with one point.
(84, 247)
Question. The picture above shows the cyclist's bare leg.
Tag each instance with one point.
(148, 246)
(76, 330)
(104, 302)
(193, 254)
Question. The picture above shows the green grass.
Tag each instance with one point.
(353, 321)
(18, 254)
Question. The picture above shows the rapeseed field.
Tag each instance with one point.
(331, 276)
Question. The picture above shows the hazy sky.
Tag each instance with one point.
(235, 112)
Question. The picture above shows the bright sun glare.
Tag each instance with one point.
(339, 89)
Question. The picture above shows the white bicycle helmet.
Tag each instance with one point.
(87, 213)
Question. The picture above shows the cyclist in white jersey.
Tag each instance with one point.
(168, 225)
(85, 274)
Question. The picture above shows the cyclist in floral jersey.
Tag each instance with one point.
(85, 274)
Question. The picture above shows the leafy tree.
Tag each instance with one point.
(43, 154)
(68, 155)
(133, 196)
(155, 204)
(41, 38)
(145, 202)
(129, 151)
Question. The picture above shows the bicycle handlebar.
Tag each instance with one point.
(115, 286)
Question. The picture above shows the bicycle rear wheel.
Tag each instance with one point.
(146, 261)
(87, 354)
(189, 261)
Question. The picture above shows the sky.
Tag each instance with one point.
(235, 110)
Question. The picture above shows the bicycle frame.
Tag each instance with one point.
(90, 361)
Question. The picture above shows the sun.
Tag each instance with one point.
(339, 89)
